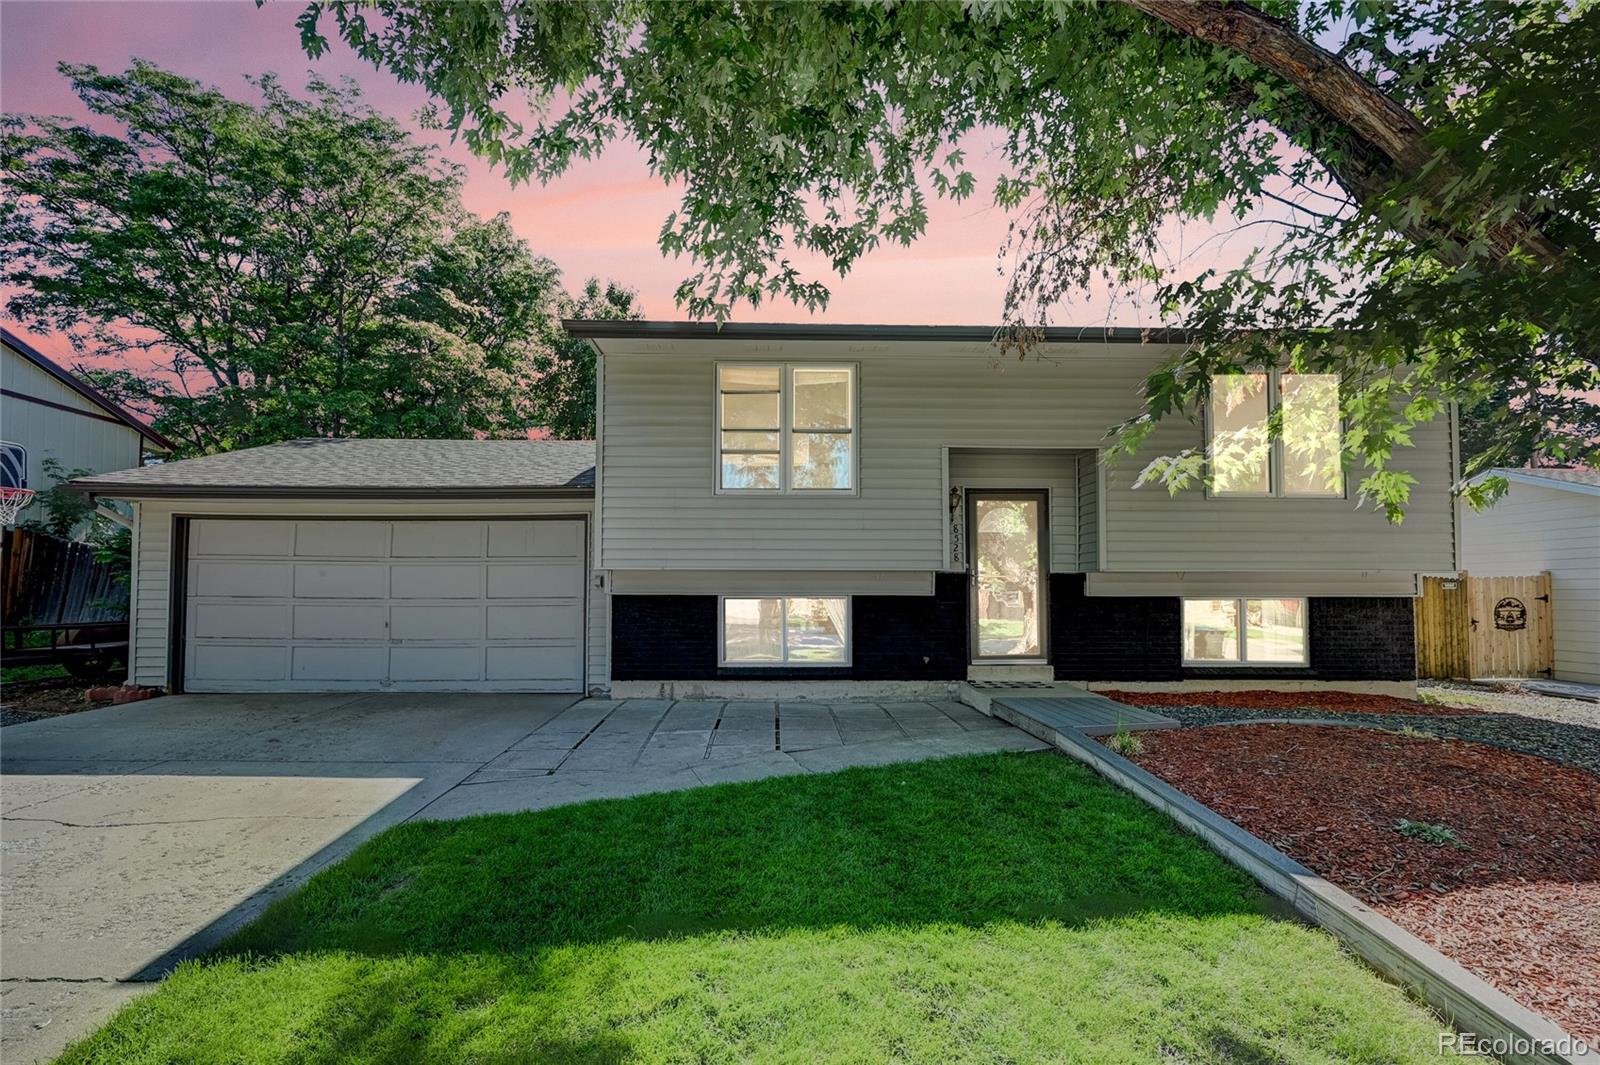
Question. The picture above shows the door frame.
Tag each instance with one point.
(1042, 497)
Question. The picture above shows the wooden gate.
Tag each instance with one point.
(1470, 627)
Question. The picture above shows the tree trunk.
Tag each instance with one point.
(1385, 126)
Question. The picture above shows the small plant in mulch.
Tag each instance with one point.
(1440, 835)
(1410, 732)
(1125, 743)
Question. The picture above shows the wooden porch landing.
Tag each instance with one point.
(1060, 708)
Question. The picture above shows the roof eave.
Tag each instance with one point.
(101, 489)
(1533, 479)
(624, 329)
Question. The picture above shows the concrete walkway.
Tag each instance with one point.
(138, 835)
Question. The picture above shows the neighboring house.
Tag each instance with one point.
(811, 510)
(1549, 519)
(46, 412)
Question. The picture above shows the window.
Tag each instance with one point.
(786, 630)
(1302, 460)
(788, 428)
(1254, 632)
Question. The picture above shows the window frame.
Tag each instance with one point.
(1275, 455)
(1244, 660)
(785, 662)
(786, 428)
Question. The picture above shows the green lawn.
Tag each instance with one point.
(1001, 908)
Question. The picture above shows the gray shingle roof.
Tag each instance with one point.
(1566, 476)
(354, 468)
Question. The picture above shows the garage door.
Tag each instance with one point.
(384, 605)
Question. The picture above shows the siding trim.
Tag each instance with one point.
(53, 405)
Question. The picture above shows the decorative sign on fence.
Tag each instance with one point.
(1510, 615)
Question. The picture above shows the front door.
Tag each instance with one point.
(1008, 538)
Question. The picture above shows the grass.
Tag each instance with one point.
(999, 908)
(1000, 628)
(18, 674)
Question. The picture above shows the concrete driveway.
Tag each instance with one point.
(139, 835)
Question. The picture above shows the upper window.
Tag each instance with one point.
(1246, 458)
(786, 630)
(785, 428)
(1251, 632)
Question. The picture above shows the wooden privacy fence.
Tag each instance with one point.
(49, 581)
(1470, 627)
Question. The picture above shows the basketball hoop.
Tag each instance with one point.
(12, 500)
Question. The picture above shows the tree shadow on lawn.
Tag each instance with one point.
(996, 907)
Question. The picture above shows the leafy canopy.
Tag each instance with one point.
(300, 267)
(1427, 226)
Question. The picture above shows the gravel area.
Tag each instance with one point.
(1571, 743)
(1510, 699)
(1498, 865)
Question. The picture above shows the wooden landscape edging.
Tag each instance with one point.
(1466, 1001)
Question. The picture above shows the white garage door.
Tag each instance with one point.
(384, 606)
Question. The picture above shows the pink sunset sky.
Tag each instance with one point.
(601, 218)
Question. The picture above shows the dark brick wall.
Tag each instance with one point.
(914, 637)
(663, 637)
(897, 637)
(1134, 638)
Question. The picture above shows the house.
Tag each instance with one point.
(1549, 519)
(47, 413)
(806, 510)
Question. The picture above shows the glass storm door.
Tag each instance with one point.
(1007, 534)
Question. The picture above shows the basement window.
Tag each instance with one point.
(785, 631)
(1245, 632)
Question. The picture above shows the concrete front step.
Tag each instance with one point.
(1043, 709)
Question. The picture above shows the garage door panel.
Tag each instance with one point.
(235, 619)
(552, 621)
(233, 662)
(441, 581)
(210, 537)
(341, 539)
(341, 621)
(341, 580)
(414, 663)
(331, 662)
(536, 539)
(373, 605)
(438, 539)
(433, 622)
(240, 579)
(531, 580)
(551, 664)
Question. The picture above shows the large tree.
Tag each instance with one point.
(1422, 175)
(257, 272)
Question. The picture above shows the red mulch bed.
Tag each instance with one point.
(1519, 905)
(1331, 702)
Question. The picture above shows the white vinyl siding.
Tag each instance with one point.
(1535, 528)
(1055, 472)
(151, 616)
(662, 510)
(75, 441)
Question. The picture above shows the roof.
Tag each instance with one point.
(1566, 478)
(371, 469)
(84, 389)
(626, 329)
